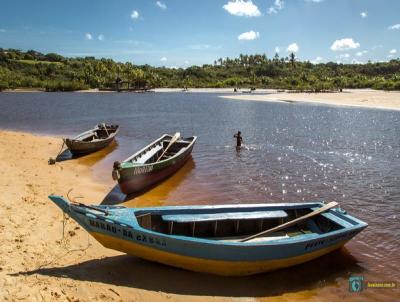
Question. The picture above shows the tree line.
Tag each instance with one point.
(53, 72)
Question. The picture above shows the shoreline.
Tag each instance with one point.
(38, 263)
(361, 98)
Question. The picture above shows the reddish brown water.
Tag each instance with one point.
(292, 152)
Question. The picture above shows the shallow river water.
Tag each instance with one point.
(291, 153)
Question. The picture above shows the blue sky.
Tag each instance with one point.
(182, 33)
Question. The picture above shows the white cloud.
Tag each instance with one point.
(364, 14)
(355, 61)
(100, 37)
(187, 62)
(249, 35)
(344, 44)
(361, 53)
(161, 5)
(277, 49)
(135, 14)
(2, 30)
(278, 5)
(314, 1)
(242, 8)
(344, 56)
(163, 59)
(317, 60)
(395, 26)
(393, 51)
(88, 36)
(293, 48)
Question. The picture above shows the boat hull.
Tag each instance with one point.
(78, 147)
(131, 181)
(202, 265)
(136, 183)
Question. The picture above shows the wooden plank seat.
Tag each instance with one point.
(149, 154)
(87, 136)
(215, 217)
(225, 216)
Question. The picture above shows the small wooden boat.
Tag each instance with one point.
(92, 140)
(219, 239)
(153, 163)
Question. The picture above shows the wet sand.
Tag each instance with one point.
(367, 98)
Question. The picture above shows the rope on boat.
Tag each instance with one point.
(52, 161)
(65, 254)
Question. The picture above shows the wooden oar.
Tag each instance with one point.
(173, 140)
(105, 128)
(292, 222)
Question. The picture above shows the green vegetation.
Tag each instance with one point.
(53, 72)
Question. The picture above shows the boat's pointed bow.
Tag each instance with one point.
(61, 202)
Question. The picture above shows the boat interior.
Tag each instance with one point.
(233, 226)
(101, 132)
(153, 152)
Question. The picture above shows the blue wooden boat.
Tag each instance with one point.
(208, 238)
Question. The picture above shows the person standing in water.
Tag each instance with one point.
(239, 139)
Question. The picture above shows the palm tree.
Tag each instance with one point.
(292, 59)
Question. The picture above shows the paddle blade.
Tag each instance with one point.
(175, 138)
(316, 212)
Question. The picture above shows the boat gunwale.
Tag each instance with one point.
(133, 223)
(292, 240)
(160, 139)
(77, 139)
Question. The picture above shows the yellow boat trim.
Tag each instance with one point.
(219, 267)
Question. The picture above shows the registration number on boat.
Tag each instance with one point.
(127, 233)
(141, 170)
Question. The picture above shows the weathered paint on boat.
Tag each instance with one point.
(120, 230)
(78, 145)
(134, 176)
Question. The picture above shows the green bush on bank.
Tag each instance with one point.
(52, 72)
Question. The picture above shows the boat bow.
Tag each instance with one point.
(61, 202)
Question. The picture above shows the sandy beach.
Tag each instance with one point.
(367, 98)
(36, 262)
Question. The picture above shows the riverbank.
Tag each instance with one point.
(36, 262)
(366, 98)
